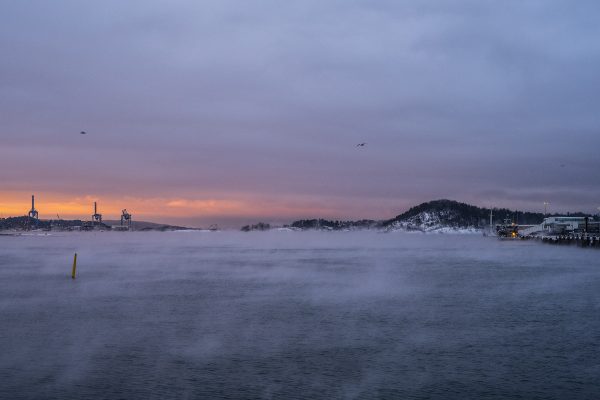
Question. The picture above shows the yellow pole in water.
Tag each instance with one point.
(74, 266)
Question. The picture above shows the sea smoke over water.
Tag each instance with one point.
(296, 315)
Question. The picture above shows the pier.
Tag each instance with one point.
(557, 230)
(580, 240)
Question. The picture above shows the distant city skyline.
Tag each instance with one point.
(228, 112)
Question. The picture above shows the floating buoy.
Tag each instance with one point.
(74, 266)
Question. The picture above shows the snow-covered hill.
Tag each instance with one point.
(442, 216)
(442, 221)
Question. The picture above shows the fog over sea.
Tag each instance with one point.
(297, 315)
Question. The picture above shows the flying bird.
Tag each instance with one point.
(82, 132)
(361, 144)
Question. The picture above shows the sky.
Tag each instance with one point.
(230, 112)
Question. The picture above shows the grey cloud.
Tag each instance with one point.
(454, 98)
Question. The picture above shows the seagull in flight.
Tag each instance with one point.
(361, 144)
(82, 132)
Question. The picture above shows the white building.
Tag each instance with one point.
(563, 224)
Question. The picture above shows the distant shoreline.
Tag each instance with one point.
(437, 216)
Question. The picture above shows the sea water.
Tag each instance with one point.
(297, 315)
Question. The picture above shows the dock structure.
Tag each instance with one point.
(565, 225)
(580, 240)
(564, 230)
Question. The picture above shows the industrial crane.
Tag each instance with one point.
(33, 212)
(126, 219)
(96, 218)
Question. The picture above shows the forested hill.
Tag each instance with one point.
(450, 213)
(437, 215)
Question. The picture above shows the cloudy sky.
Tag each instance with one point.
(234, 111)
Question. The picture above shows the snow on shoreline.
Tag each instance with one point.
(441, 230)
(432, 222)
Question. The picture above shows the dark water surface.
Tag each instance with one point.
(297, 315)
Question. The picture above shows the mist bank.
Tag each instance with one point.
(312, 314)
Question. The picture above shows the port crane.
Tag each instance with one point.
(33, 212)
(96, 218)
(126, 219)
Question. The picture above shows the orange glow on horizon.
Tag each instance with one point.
(67, 207)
